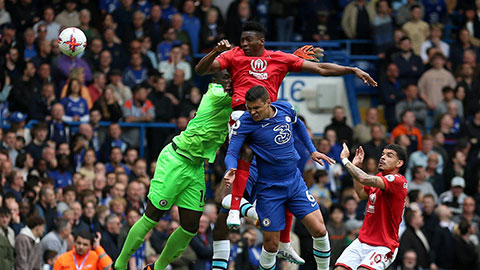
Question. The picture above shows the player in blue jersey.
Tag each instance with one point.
(268, 129)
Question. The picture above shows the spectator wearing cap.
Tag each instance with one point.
(433, 80)
(454, 197)
(52, 27)
(7, 239)
(69, 17)
(28, 254)
(137, 109)
(56, 239)
(17, 124)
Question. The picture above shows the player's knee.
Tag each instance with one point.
(319, 231)
(270, 245)
(191, 227)
(246, 153)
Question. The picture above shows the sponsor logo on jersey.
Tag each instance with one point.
(258, 67)
(284, 133)
(266, 222)
(390, 177)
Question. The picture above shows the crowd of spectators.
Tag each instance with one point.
(59, 180)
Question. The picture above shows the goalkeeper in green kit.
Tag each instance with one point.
(179, 176)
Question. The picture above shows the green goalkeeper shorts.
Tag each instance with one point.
(177, 180)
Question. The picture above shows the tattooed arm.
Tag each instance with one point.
(363, 178)
(360, 178)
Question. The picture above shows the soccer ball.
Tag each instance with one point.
(72, 41)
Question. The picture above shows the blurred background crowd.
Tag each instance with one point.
(63, 172)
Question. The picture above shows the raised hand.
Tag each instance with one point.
(223, 45)
(345, 152)
(359, 155)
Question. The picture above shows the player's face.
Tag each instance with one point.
(258, 109)
(389, 161)
(225, 80)
(252, 44)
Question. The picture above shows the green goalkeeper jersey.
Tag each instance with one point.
(207, 131)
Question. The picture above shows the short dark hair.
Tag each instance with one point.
(35, 221)
(49, 254)
(255, 27)
(85, 234)
(257, 92)
(447, 89)
(4, 211)
(401, 154)
(414, 6)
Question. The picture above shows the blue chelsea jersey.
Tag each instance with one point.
(271, 140)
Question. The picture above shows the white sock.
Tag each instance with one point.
(267, 260)
(246, 208)
(282, 245)
(221, 253)
(321, 252)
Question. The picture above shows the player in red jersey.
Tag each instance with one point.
(377, 244)
(249, 65)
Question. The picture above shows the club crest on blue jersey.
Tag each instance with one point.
(266, 222)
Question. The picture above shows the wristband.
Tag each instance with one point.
(345, 161)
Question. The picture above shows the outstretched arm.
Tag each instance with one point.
(330, 69)
(208, 64)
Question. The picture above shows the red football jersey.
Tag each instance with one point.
(267, 70)
(384, 212)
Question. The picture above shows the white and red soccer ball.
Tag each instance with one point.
(72, 41)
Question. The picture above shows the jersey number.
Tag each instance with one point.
(203, 197)
(284, 134)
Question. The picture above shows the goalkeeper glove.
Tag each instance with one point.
(308, 52)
